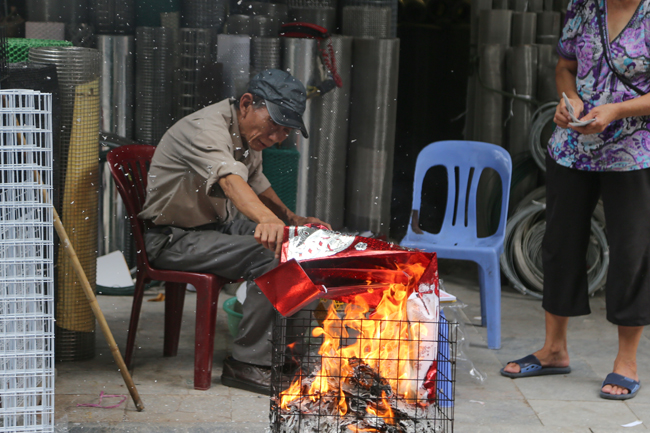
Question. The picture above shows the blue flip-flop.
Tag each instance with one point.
(624, 382)
(531, 366)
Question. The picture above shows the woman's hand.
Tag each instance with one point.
(604, 114)
(562, 117)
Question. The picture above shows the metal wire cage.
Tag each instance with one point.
(355, 374)
(26, 262)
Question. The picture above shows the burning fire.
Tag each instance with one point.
(381, 341)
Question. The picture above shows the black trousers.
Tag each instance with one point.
(571, 197)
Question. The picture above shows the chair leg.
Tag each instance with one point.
(481, 284)
(206, 321)
(138, 294)
(492, 289)
(174, 301)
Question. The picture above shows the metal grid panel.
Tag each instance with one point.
(26, 265)
(266, 53)
(78, 71)
(204, 14)
(354, 373)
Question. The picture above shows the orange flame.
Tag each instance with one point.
(382, 343)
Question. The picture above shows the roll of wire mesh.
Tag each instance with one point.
(521, 260)
(65, 11)
(310, 3)
(45, 30)
(204, 14)
(547, 58)
(266, 53)
(239, 24)
(548, 25)
(234, 52)
(476, 7)
(277, 14)
(78, 72)
(329, 138)
(195, 50)
(299, 57)
(366, 22)
(489, 119)
(153, 83)
(494, 27)
(262, 26)
(392, 4)
(117, 84)
(112, 16)
(80, 34)
(524, 28)
(373, 109)
(521, 80)
(149, 13)
(321, 16)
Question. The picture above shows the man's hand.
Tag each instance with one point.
(296, 220)
(604, 114)
(270, 235)
(562, 117)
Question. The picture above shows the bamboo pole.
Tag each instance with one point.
(94, 305)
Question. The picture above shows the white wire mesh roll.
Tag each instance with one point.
(233, 52)
(367, 22)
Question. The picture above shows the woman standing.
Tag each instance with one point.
(604, 70)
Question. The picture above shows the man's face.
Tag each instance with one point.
(259, 130)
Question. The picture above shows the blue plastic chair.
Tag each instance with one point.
(464, 162)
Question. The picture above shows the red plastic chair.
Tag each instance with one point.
(129, 166)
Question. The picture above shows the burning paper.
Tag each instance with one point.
(376, 368)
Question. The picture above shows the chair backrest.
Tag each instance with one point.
(464, 162)
(129, 166)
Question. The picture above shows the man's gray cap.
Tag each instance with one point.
(285, 97)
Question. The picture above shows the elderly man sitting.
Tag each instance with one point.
(206, 170)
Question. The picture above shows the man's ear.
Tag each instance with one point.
(245, 104)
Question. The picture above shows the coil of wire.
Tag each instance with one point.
(521, 260)
(536, 140)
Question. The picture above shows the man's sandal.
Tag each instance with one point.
(531, 366)
(624, 382)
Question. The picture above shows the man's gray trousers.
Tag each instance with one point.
(232, 252)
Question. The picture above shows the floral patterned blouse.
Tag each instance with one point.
(625, 144)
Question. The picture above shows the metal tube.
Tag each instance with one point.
(117, 84)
